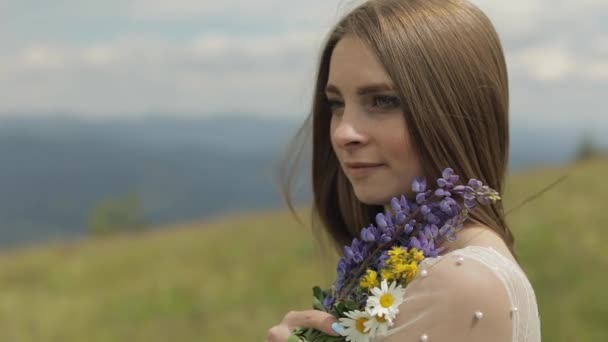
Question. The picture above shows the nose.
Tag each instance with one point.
(348, 129)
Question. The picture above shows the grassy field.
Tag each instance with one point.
(231, 279)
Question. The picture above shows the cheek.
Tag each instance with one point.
(399, 147)
(403, 157)
(332, 136)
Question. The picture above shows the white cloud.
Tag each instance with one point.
(597, 71)
(99, 55)
(42, 56)
(268, 46)
(554, 61)
(290, 13)
(212, 73)
(550, 62)
(271, 72)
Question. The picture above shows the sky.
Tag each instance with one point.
(111, 58)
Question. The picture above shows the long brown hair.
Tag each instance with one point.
(447, 65)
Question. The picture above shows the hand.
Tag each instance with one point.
(302, 319)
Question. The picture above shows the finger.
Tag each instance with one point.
(279, 333)
(311, 319)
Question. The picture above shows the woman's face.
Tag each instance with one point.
(368, 130)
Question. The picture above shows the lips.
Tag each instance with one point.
(359, 165)
(362, 169)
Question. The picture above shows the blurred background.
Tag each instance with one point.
(139, 142)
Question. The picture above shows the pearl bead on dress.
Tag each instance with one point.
(478, 315)
(424, 338)
(459, 261)
(424, 273)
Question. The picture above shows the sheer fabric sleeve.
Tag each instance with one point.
(454, 298)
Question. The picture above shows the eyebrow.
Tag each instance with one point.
(367, 89)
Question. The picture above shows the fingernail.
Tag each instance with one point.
(338, 328)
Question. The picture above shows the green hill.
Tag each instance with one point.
(232, 279)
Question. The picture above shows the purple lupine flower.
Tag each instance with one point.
(355, 252)
(370, 234)
(430, 249)
(396, 205)
(425, 209)
(447, 173)
(475, 184)
(420, 198)
(427, 231)
(435, 230)
(423, 244)
(432, 218)
(405, 207)
(341, 271)
(359, 250)
(441, 210)
(423, 239)
(441, 193)
(449, 176)
(414, 243)
(409, 227)
(419, 184)
(400, 218)
(460, 188)
(381, 261)
(388, 235)
(349, 253)
(381, 221)
(328, 302)
(449, 206)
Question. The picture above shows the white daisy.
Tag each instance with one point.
(385, 300)
(354, 326)
(378, 325)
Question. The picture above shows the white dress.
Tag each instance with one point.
(470, 294)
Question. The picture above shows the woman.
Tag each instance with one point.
(407, 88)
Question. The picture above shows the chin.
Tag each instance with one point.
(372, 198)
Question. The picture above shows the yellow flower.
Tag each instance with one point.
(494, 196)
(387, 274)
(416, 254)
(400, 268)
(407, 271)
(411, 271)
(396, 256)
(369, 280)
(397, 252)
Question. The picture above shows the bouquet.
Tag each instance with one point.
(377, 267)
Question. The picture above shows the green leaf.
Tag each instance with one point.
(317, 305)
(318, 293)
(318, 299)
(294, 338)
(351, 305)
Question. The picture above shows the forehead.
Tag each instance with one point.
(353, 64)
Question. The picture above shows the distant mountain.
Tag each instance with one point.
(53, 171)
(226, 133)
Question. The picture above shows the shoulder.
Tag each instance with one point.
(459, 299)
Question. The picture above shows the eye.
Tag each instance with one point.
(386, 102)
(334, 105)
